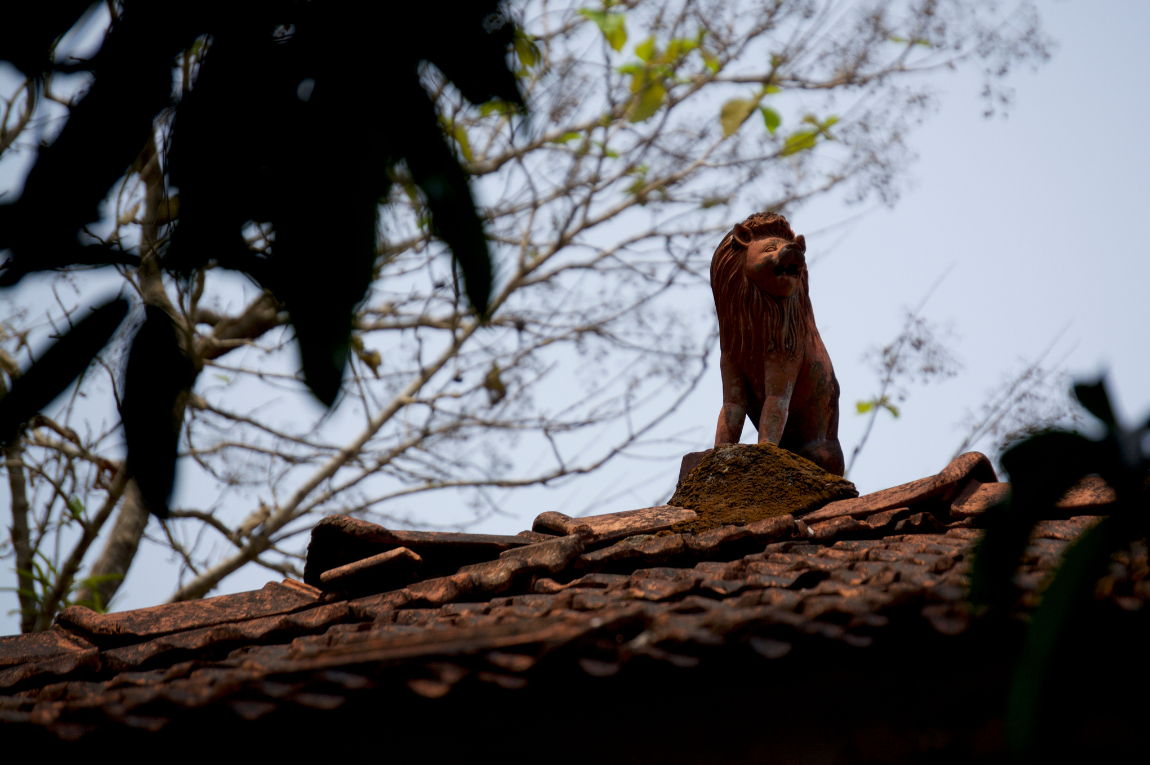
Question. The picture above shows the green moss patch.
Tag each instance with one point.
(737, 484)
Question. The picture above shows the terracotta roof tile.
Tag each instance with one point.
(612, 526)
(116, 628)
(943, 486)
(496, 614)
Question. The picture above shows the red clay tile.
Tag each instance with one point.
(636, 552)
(143, 623)
(1066, 530)
(976, 498)
(340, 539)
(969, 466)
(39, 646)
(436, 592)
(384, 571)
(923, 523)
(551, 556)
(47, 670)
(843, 526)
(613, 526)
(1092, 493)
(373, 606)
(217, 640)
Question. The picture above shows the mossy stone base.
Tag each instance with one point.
(736, 484)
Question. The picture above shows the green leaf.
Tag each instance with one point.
(646, 49)
(567, 137)
(864, 406)
(76, 508)
(459, 134)
(640, 173)
(496, 105)
(771, 118)
(678, 47)
(612, 25)
(607, 152)
(526, 49)
(734, 113)
(710, 60)
(649, 102)
(637, 72)
(824, 126)
(890, 408)
(800, 141)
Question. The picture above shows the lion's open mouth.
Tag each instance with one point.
(791, 269)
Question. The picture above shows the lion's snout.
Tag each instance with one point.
(791, 260)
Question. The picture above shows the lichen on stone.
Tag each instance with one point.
(737, 484)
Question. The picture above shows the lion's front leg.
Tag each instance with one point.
(778, 388)
(730, 427)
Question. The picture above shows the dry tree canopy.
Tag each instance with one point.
(651, 127)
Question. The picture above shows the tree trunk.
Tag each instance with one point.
(21, 541)
(120, 549)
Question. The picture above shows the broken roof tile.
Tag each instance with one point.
(340, 539)
(384, 571)
(612, 526)
(944, 485)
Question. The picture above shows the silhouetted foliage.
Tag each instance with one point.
(1042, 468)
(297, 116)
(58, 366)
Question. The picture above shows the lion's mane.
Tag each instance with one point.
(753, 325)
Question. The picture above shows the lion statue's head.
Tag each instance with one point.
(759, 279)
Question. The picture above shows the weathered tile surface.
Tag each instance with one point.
(612, 526)
(524, 610)
(941, 487)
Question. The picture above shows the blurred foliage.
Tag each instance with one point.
(281, 83)
(1042, 468)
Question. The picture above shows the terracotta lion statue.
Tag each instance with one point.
(775, 368)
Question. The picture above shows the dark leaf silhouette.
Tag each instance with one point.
(55, 370)
(158, 375)
(280, 83)
(1094, 399)
(30, 29)
(1041, 469)
(104, 133)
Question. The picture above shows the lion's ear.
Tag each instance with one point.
(742, 235)
(801, 241)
